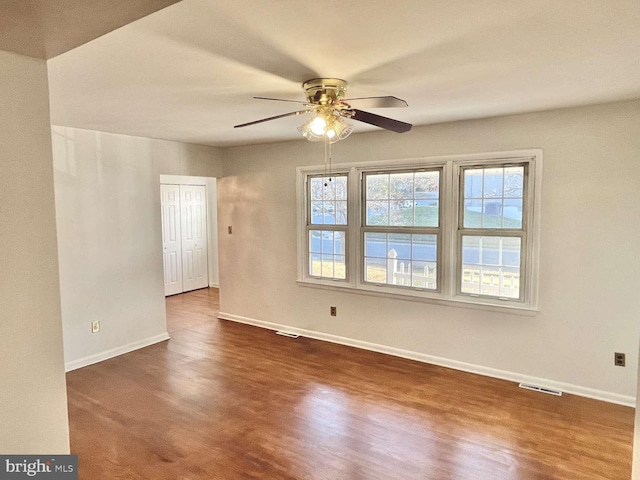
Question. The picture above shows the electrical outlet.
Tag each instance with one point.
(333, 311)
(229, 229)
(619, 359)
(95, 326)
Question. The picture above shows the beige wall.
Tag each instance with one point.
(33, 399)
(589, 266)
(107, 190)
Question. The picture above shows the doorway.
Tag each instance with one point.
(185, 234)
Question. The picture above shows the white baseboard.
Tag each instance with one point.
(214, 285)
(114, 352)
(443, 362)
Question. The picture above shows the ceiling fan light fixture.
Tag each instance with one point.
(325, 99)
(325, 127)
(318, 125)
(341, 128)
(307, 130)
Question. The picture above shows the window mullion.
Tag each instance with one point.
(450, 217)
(354, 223)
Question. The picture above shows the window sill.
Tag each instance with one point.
(449, 302)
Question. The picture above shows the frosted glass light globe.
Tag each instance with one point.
(318, 125)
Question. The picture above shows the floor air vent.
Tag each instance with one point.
(535, 388)
(287, 334)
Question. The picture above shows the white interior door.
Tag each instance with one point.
(193, 213)
(171, 241)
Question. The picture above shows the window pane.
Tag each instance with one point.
(511, 252)
(316, 213)
(426, 213)
(315, 241)
(329, 213)
(327, 242)
(427, 194)
(424, 250)
(377, 187)
(492, 214)
(327, 251)
(471, 250)
(340, 267)
(401, 213)
(473, 183)
(513, 182)
(427, 185)
(492, 182)
(401, 259)
(490, 250)
(403, 199)
(493, 197)
(512, 213)
(424, 247)
(401, 186)
(341, 212)
(378, 213)
(423, 275)
(341, 187)
(328, 197)
(329, 189)
(316, 184)
(400, 244)
(315, 264)
(491, 266)
(339, 243)
(375, 270)
(473, 213)
(327, 266)
(375, 245)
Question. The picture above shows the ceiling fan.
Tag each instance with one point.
(325, 100)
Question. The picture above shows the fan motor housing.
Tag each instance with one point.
(324, 91)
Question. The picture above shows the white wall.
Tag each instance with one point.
(109, 236)
(590, 253)
(33, 397)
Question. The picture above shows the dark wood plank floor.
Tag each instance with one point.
(222, 400)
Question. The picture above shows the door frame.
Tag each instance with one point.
(212, 218)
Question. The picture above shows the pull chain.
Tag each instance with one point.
(327, 159)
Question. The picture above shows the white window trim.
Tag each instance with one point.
(362, 228)
(449, 196)
(302, 192)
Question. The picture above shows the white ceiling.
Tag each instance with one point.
(188, 72)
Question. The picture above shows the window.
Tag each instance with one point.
(327, 227)
(401, 228)
(456, 229)
(491, 233)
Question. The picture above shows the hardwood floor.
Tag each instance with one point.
(221, 400)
